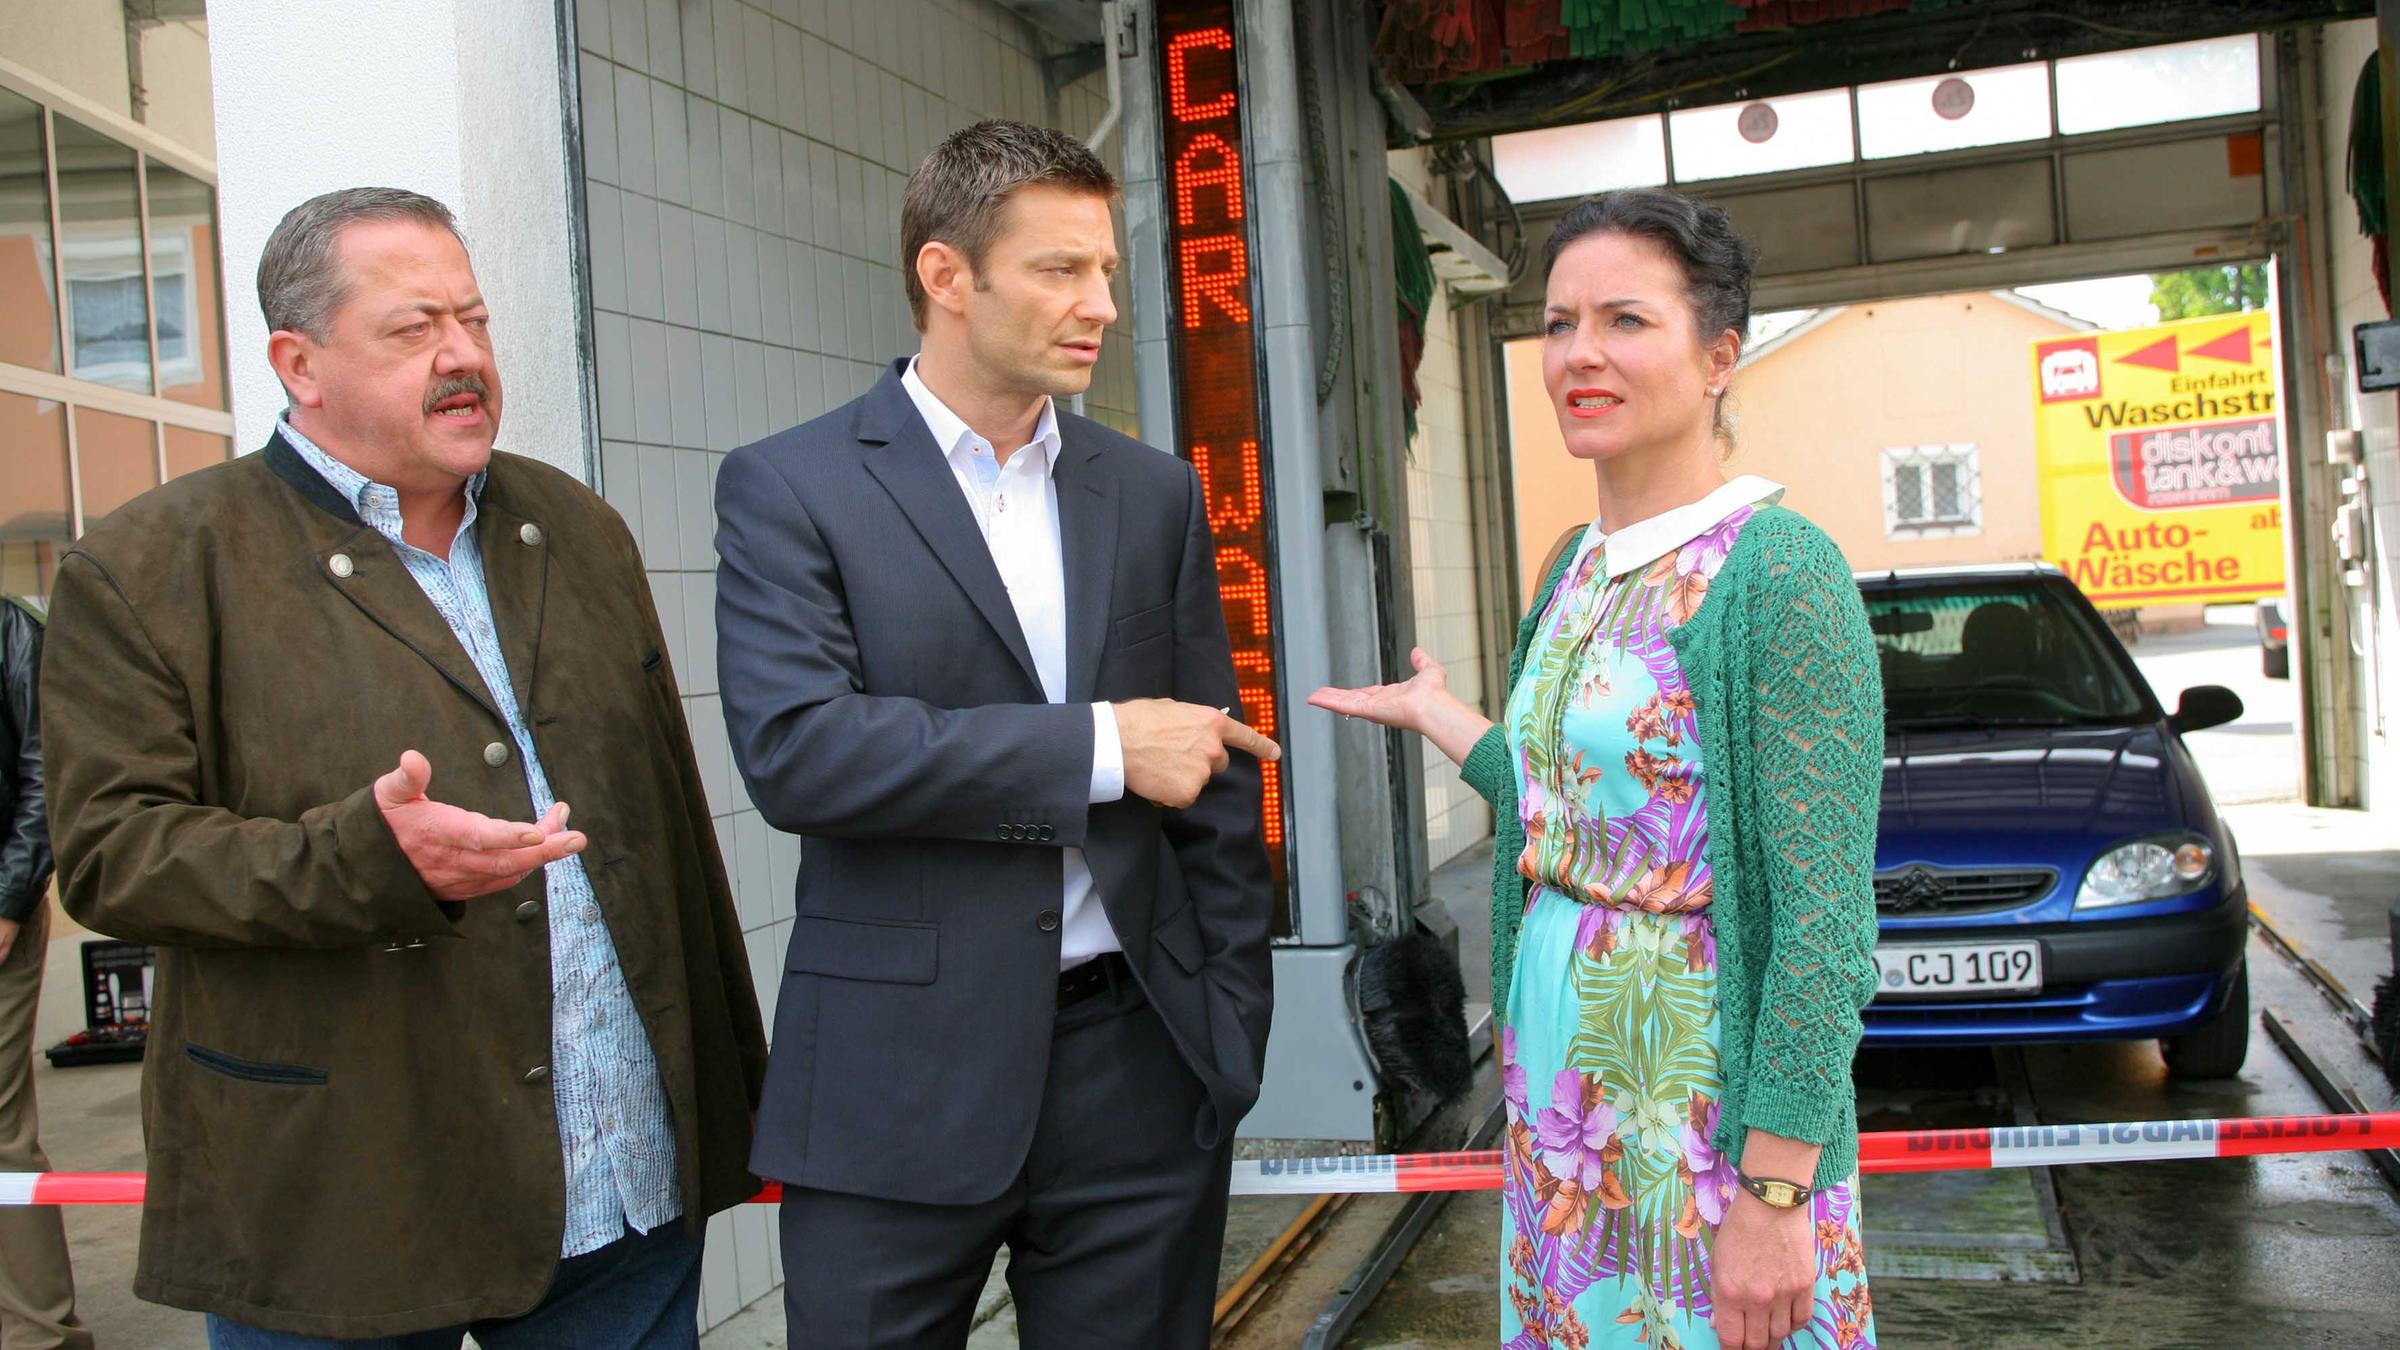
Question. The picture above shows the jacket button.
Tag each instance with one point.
(529, 911)
(537, 1073)
(1008, 833)
(495, 754)
(339, 565)
(1049, 833)
(1048, 923)
(531, 534)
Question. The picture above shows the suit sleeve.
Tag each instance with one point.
(823, 757)
(141, 857)
(1216, 839)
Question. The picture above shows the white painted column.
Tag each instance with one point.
(456, 99)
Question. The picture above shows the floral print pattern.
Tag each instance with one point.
(1614, 1183)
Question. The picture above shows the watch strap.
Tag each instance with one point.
(1775, 1193)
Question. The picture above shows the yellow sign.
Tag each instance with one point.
(2160, 454)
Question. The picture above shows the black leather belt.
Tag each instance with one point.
(1094, 977)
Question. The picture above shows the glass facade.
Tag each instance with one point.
(36, 503)
(112, 326)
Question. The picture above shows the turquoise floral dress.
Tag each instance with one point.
(1609, 1057)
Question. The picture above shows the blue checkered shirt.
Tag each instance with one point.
(614, 1127)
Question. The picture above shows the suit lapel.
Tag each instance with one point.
(362, 565)
(1087, 529)
(516, 572)
(379, 584)
(912, 469)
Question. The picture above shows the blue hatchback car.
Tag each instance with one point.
(2051, 866)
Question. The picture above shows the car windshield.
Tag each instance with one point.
(2002, 653)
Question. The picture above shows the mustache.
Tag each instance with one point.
(452, 387)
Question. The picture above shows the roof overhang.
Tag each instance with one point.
(1893, 46)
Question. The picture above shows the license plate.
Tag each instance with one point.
(1914, 970)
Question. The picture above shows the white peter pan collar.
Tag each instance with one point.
(1644, 541)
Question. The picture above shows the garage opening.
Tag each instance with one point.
(1978, 291)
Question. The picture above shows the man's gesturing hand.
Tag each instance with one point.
(459, 853)
(1171, 748)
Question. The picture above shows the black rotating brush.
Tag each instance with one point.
(2387, 1027)
(1414, 1006)
(2385, 1020)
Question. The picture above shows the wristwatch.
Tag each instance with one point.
(1775, 1194)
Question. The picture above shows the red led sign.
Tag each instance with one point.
(1215, 356)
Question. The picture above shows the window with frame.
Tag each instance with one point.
(112, 371)
(1931, 491)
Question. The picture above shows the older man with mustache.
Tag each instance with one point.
(426, 1061)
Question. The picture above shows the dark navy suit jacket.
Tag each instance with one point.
(883, 705)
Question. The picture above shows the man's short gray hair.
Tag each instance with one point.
(300, 280)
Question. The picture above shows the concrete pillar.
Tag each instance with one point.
(460, 100)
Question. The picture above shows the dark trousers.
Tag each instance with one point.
(1113, 1228)
(640, 1292)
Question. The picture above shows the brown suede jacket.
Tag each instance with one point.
(346, 1101)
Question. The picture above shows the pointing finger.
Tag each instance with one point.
(1240, 737)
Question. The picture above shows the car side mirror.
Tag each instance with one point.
(2205, 705)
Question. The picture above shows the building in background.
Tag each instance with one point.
(1903, 427)
(112, 338)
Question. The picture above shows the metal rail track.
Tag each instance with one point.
(1350, 1302)
(1360, 1290)
(2325, 1079)
(2345, 1004)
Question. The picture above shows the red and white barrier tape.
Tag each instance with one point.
(1888, 1151)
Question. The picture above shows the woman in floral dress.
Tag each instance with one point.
(1686, 776)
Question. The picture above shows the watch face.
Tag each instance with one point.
(1781, 1194)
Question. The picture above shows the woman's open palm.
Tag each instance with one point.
(1407, 705)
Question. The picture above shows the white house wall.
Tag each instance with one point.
(450, 98)
(1443, 552)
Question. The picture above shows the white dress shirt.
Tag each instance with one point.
(1016, 507)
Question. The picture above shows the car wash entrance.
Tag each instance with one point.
(1905, 175)
(1917, 378)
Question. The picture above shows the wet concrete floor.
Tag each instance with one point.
(2301, 1250)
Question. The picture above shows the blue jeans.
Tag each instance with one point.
(639, 1292)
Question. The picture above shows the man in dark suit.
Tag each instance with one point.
(971, 648)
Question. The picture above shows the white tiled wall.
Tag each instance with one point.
(1442, 547)
(744, 165)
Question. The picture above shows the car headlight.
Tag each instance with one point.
(2148, 869)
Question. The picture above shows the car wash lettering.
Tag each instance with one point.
(1215, 360)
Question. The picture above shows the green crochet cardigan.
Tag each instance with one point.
(1790, 713)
